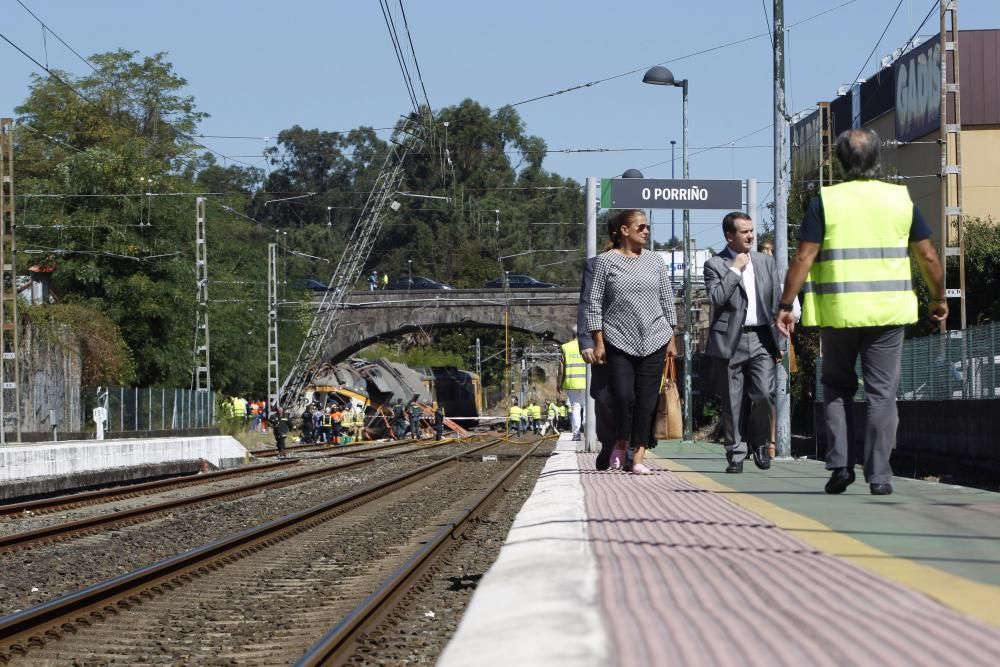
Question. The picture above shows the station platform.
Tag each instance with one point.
(42, 468)
(691, 566)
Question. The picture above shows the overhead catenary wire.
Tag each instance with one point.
(407, 80)
(61, 81)
(413, 53)
(699, 52)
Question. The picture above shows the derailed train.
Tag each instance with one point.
(377, 384)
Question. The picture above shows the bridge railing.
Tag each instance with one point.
(958, 365)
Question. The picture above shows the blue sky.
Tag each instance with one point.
(259, 67)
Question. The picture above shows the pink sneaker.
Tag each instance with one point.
(617, 459)
(640, 469)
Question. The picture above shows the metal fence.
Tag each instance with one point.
(148, 409)
(958, 365)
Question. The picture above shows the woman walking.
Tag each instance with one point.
(631, 316)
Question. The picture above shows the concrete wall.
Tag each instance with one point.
(980, 185)
(50, 380)
(19, 462)
(952, 439)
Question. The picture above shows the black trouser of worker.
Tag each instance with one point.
(279, 441)
(635, 388)
(439, 432)
(336, 433)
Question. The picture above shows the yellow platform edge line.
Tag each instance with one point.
(978, 600)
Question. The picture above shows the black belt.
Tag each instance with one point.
(758, 328)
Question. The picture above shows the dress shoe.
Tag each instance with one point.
(840, 480)
(735, 467)
(604, 458)
(880, 489)
(761, 458)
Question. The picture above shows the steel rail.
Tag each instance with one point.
(69, 529)
(322, 447)
(122, 492)
(50, 620)
(338, 644)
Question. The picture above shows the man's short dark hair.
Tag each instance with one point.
(859, 153)
(729, 222)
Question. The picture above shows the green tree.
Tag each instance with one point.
(121, 132)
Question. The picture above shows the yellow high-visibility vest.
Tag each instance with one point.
(575, 368)
(861, 276)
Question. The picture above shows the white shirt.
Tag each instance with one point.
(750, 285)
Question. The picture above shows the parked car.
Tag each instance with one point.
(415, 283)
(520, 281)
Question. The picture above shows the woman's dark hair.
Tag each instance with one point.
(623, 219)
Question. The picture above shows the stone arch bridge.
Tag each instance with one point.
(369, 317)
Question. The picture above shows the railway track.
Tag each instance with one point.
(70, 529)
(263, 595)
(82, 499)
(85, 498)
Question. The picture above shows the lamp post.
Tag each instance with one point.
(673, 230)
(661, 76)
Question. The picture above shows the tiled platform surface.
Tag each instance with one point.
(693, 567)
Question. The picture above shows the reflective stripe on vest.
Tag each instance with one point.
(861, 276)
(575, 373)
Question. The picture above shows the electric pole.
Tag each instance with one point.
(784, 449)
(203, 373)
(273, 386)
(10, 375)
(952, 232)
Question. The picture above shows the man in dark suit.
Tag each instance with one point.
(744, 290)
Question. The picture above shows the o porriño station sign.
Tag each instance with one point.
(671, 193)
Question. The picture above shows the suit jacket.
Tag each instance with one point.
(583, 334)
(728, 299)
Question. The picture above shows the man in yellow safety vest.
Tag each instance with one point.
(853, 267)
(514, 414)
(574, 376)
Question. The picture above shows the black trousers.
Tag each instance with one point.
(635, 389)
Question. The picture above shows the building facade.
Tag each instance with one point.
(902, 102)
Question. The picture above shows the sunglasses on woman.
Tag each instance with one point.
(642, 227)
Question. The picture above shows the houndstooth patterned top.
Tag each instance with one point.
(632, 302)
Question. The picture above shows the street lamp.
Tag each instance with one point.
(409, 274)
(673, 230)
(661, 76)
